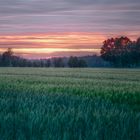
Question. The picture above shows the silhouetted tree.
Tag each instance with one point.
(48, 63)
(7, 58)
(58, 62)
(138, 47)
(73, 62)
(82, 63)
(135, 52)
(117, 51)
(42, 63)
(0, 60)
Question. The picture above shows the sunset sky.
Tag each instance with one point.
(49, 28)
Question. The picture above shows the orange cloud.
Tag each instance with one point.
(60, 44)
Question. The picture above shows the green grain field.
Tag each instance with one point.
(69, 104)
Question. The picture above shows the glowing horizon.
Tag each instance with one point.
(49, 45)
(44, 28)
(53, 44)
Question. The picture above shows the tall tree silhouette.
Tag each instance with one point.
(7, 57)
(116, 51)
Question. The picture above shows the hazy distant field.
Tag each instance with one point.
(69, 104)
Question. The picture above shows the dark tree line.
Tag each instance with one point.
(75, 62)
(121, 52)
(8, 59)
(118, 52)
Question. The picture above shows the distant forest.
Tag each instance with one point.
(115, 52)
(8, 59)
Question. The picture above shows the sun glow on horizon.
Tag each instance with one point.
(48, 44)
(53, 44)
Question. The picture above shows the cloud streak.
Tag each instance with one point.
(33, 17)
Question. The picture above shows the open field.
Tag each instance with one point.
(69, 104)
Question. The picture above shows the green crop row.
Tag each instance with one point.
(69, 104)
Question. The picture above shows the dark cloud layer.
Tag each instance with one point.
(103, 16)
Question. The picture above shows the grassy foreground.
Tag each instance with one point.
(69, 104)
